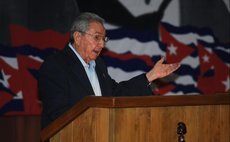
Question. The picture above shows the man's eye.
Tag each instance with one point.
(97, 37)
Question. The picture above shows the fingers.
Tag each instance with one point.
(167, 69)
(173, 67)
(161, 60)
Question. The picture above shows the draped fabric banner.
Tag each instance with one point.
(138, 38)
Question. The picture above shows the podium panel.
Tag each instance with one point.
(144, 119)
(91, 126)
(159, 124)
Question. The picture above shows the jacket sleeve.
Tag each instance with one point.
(136, 86)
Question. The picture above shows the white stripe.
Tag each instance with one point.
(180, 93)
(13, 62)
(185, 80)
(223, 49)
(190, 38)
(135, 47)
(120, 75)
(36, 58)
(191, 61)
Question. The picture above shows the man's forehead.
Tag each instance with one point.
(97, 27)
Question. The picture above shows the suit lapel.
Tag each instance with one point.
(78, 70)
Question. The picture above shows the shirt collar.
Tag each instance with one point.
(91, 63)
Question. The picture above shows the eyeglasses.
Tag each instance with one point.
(97, 37)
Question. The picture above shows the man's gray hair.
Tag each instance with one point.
(81, 23)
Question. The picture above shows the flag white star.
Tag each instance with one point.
(205, 59)
(172, 49)
(226, 83)
(4, 81)
(19, 95)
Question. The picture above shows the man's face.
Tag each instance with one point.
(90, 43)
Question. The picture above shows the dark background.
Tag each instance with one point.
(58, 14)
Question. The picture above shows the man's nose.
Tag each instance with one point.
(101, 43)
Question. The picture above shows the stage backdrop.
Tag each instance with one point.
(140, 33)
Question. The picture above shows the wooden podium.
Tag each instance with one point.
(144, 119)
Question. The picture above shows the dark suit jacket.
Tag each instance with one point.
(63, 82)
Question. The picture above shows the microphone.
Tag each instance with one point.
(181, 130)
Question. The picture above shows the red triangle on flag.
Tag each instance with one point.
(176, 51)
(210, 61)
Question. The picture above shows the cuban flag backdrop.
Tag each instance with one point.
(134, 47)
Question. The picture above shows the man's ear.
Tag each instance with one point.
(77, 36)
